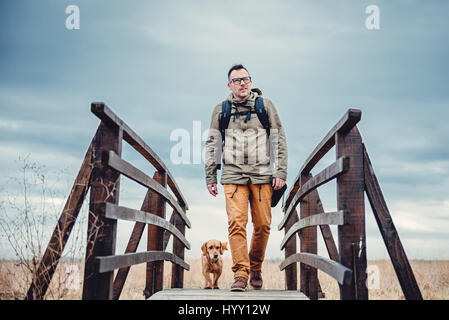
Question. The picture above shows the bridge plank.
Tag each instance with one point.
(326, 218)
(102, 111)
(339, 272)
(110, 263)
(113, 211)
(124, 167)
(203, 294)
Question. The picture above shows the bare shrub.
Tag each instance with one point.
(29, 211)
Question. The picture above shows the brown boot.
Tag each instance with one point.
(239, 284)
(255, 279)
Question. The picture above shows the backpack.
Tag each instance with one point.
(226, 114)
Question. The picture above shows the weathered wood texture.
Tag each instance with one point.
(326, 218)
(155, 270)
(61, 233)
(333, 171)
(308, 276)
(325, 230)
(339, 272)
(101, 233)
(350, 197)
(100, 172)
(110, 263)
(344, 125)
(352, 181)
(177, 272)
(389, 233)
(291, 272)
(102, 111)
(116, 212)
(140, 177)
(133, 243)
(203, 294)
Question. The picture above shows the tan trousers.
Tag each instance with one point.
(237, 197)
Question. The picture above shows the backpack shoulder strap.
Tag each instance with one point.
(225, 117)
(262, 114)
(223, 122)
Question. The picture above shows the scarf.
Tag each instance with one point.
(246, 105)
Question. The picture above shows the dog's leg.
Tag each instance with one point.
(208, 280)
(216, 277)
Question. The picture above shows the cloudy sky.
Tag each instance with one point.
(162, 65)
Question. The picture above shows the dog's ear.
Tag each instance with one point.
(204, 248)
(223, 246)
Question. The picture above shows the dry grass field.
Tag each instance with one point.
(432, 277)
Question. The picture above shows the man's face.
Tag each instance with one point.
(240, 90)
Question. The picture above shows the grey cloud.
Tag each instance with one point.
(161, 65)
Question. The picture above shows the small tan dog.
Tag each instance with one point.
(212, 262)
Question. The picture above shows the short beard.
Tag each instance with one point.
(245, 96)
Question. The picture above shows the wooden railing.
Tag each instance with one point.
(347, 264)
(101, 172)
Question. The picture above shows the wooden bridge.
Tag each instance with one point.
(101, 170)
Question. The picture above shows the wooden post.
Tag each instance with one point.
(291, 272)
(177, 273)
(155, 270)
(389, 233)
(317, 208)
(350, 197)
(308, 275)
(133, 243)
(61, 233)
(101, 232)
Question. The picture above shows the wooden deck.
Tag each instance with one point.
(225, 294)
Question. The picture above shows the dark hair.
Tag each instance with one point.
(236, 67)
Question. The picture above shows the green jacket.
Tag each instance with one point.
(247, 153)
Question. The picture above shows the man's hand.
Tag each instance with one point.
(278, 183)
(212, 189)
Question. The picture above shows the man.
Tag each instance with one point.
(254, 163)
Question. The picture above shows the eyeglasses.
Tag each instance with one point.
(246, 80)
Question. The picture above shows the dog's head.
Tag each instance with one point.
(213, 249)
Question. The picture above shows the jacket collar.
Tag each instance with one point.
(250, 102)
